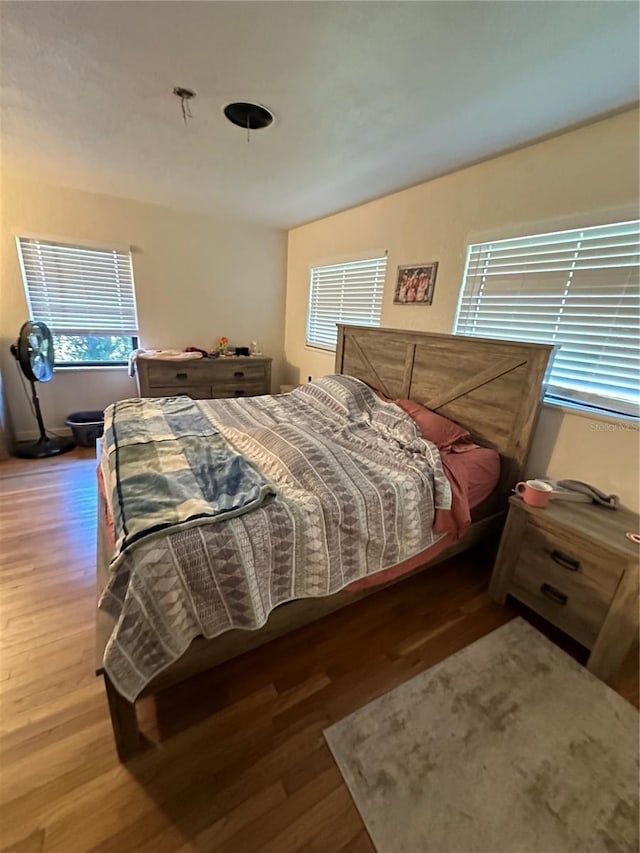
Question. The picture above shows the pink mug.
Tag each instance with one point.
(534, 492)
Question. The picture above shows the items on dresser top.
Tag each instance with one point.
(166, 354)
(574, 565)
(204, 378)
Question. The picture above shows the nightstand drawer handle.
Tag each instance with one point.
(181, 376)
(553, 594)
(239, 393)
(565, 561)
(239, 374)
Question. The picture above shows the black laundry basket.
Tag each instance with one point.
(86, 427)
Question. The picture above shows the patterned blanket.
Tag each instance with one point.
(356, 493)
(170, 467)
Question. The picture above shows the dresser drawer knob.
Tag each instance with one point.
(239, 393)
(181, 375)
(553, 594)
(565, 561)
(239, 374)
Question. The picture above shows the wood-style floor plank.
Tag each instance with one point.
(238, 761)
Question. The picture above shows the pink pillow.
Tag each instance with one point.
(434, 427)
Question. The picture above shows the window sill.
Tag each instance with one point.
(76, 368)
(325, 350)
(624, 422)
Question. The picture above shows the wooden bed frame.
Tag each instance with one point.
(491, 387)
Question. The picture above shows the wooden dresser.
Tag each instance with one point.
(204, 378)
(573, 564)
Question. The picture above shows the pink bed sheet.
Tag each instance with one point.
(473, 473)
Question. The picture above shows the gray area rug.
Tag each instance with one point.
(507, 746)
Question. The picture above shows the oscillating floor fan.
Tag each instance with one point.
(34, 353)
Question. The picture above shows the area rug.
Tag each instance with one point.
(508, 746)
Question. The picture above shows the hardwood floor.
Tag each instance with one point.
(241, 763)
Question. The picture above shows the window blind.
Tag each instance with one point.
(344, 293)
(77, 289)
(579, 290)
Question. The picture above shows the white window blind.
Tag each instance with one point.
(77, 290)
(344, 293)
(576, 289)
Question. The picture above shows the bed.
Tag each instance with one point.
(491, 388)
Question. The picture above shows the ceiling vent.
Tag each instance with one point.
(248, 116)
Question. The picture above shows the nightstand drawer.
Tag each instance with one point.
(572, 609)
(560, 584)
(196, 392)
(570, 558)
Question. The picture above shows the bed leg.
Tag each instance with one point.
(123, 721)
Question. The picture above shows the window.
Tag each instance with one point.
(85, 295)
(576, 289)
(344, 293)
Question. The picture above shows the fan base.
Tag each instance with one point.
(44, 447)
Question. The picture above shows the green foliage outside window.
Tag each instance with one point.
(92, 349)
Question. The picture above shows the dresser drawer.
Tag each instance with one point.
(564, 581)
(169, 373)
(238, 389)
(229, 371)
(196, 392)
(239, 379)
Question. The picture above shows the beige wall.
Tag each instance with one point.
(585, 177)
(4, 444)
(197, 277)
(4, 426)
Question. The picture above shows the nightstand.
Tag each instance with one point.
(573, 565)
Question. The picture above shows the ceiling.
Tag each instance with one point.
(368, 97)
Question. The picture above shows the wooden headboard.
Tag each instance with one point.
(492, 388)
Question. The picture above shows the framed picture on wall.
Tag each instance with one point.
(415, 283)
